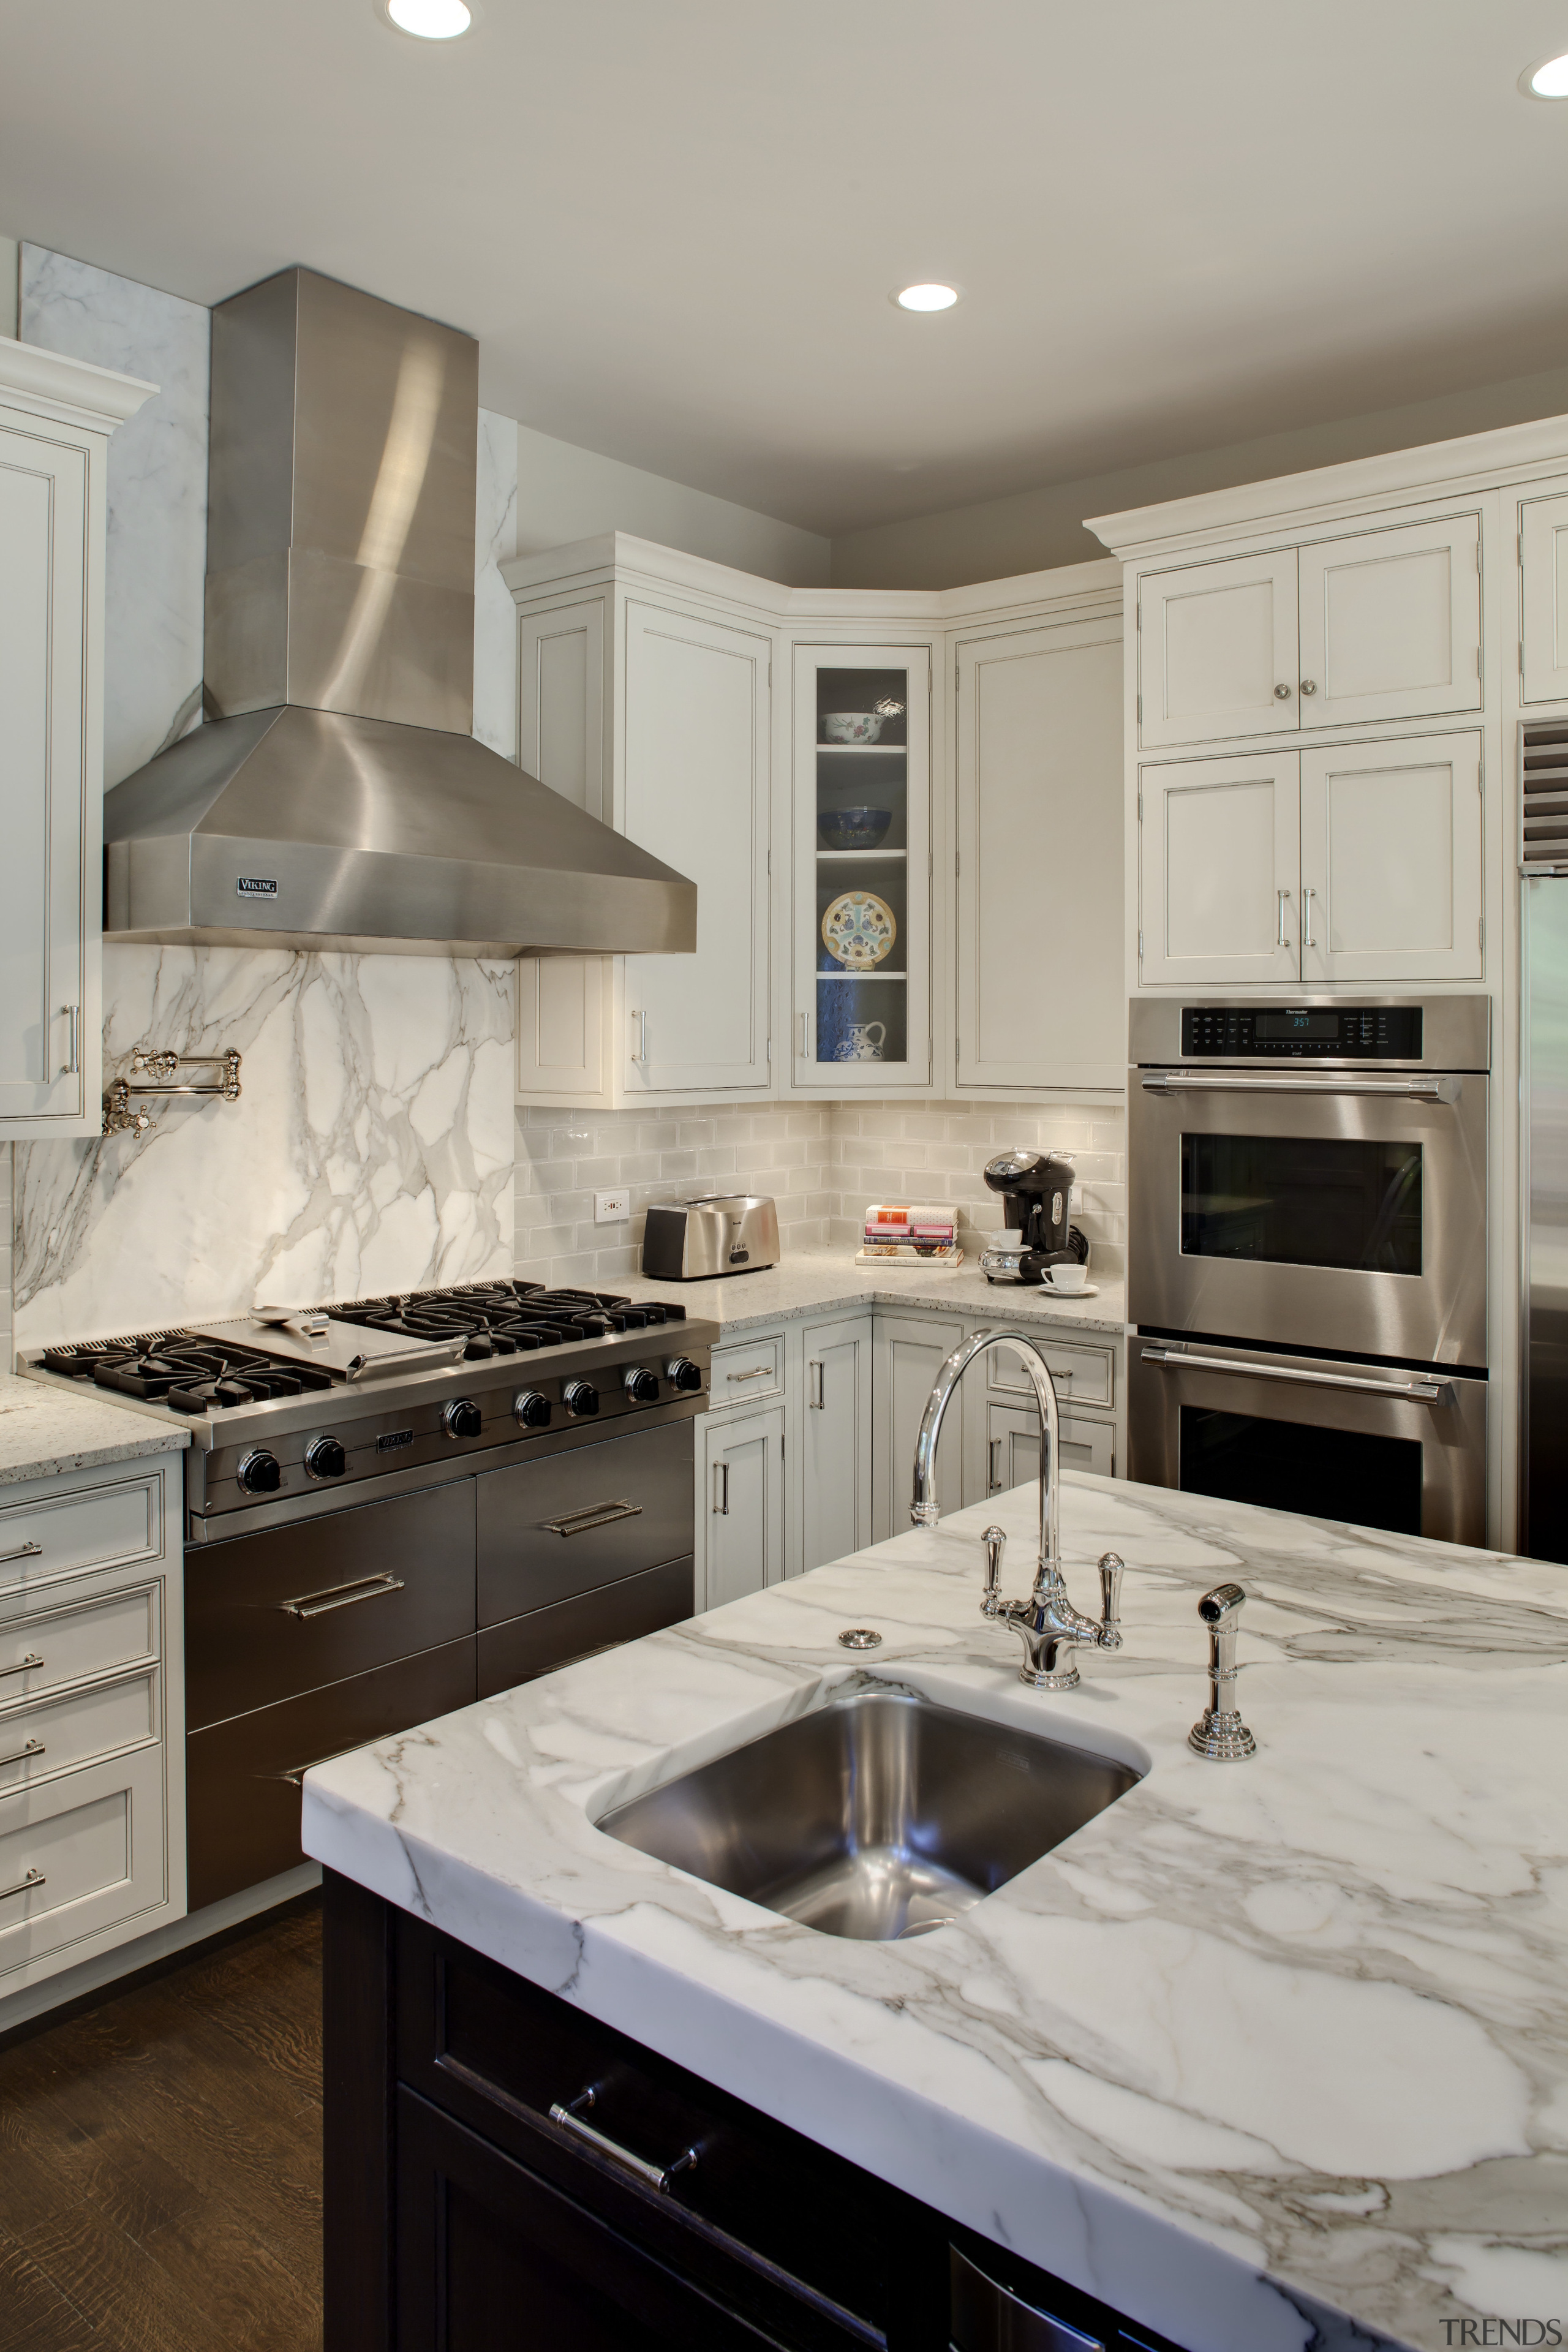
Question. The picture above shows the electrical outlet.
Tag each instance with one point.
(611, 1208)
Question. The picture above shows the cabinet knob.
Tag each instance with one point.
(1308, 686)
(1282, 692)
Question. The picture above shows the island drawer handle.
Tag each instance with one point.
(27, 1551)
(1426, 1391)
(24, 1665)
(763, 1372)
(20, 1755)
(591, 1516)
(652, 2175)
(341, 1596)
(24, 1886)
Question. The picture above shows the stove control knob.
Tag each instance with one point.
(259, 1473)
(580, 1397)
(683, 1374)
(531, 1409)
(325, 1457)
(462, 1418)
(641, 1387)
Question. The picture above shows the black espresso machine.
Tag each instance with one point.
(1038, 1189)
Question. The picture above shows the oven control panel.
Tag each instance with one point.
(1388, 1032)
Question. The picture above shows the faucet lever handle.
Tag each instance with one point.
(1111, 1571)
(1220, 1733)
(996, 1542)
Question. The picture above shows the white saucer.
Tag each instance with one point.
(1089, 1290)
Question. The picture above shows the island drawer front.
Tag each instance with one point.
(242, 1777)
(88, 1528)
(547, 1638)
(568, 1522)
(96, 1840)
(499, 2052)
(57, 1735)
(747, 1369)
(95, 1637)
(1082, 1375)
(296, 1608)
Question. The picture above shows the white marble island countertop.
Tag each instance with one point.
(823, 1281)
(1270, 2055)
(46, 1431)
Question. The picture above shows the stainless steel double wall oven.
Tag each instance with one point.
(1307, 1255)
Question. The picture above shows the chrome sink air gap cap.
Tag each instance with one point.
(860, 1637)
(336, 796)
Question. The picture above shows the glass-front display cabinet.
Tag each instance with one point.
(862, 869)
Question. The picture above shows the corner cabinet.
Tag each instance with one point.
(56, 417)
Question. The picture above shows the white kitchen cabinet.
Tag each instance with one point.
(862, 992)
(835, 1432)
(908, 1352)
(1391, 623)
(1220, 848)
(1038, 857)
(56, 417)
(1391, 860)
(1216, 649)
(1013, 1444)
(742, 1502)
(1543, 587)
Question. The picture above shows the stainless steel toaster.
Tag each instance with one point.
(727, 1232)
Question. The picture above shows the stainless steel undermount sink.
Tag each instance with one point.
(880, 1815)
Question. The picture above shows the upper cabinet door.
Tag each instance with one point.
(1391, 623)
(696, 793)
(1391, 860)
(1219, 856)
(51, 788)
(1040, 803)
(561, 700)
(862, 869)
(1217, 650)
(1544, 563)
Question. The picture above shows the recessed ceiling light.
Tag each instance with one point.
(1547, 79)
(429, 20)
(926, 298)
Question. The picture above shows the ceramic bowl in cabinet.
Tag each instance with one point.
(860, 828)
(851, 726)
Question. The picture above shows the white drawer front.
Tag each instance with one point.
(47, 1648)
(56, 1736)
(748, 1369)
(88, 1528)
(1082, 1375)
(81, 1855)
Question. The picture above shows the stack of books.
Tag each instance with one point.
(911, 1234)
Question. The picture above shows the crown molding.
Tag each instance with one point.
(73, 392)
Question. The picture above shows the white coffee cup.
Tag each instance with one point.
(1068, 1279)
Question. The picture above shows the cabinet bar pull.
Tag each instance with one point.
(805, 1036)
(341, 1596)
(27, 1551)
(640, 1057)
(20, 1755)
(1307, 898)
(72, 1065)
(992, 1475)
(1284, 898)
(818, 1398)
(721, 1490)
(760, 1373)
(652, 2175)
(591, 1516)
(1427, 1392)
(24, 1886)
(24, 1665)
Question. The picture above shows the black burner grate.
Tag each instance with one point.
(504, 1318)
(182, 1370)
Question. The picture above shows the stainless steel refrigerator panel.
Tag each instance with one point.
(1544, 1502)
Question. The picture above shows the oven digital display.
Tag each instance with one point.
(1296, 1025)
(1353, 1033)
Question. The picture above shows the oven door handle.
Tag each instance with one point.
(1424, 1391)
(1446, 1088)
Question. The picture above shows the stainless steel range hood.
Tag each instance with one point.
(336, 797)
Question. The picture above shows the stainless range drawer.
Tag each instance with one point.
(559, 1526)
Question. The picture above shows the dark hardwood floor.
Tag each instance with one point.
(161, 2160)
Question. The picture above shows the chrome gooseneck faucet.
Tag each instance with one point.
(1047, 1624)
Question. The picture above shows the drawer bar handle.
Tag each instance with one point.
(651, 2175)
(591, 1516)
(24, 1665)
(341, 1596)
(295, 1773)
(763, 1372)
(27, 1551)
(20, 1755)
(24, 1886)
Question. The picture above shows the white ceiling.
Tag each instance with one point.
(673, 224)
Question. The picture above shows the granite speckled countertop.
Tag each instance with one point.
(1271, 2056)
(45, 1431)
(817, 1282)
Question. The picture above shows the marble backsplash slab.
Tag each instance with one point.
(371, 1149)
